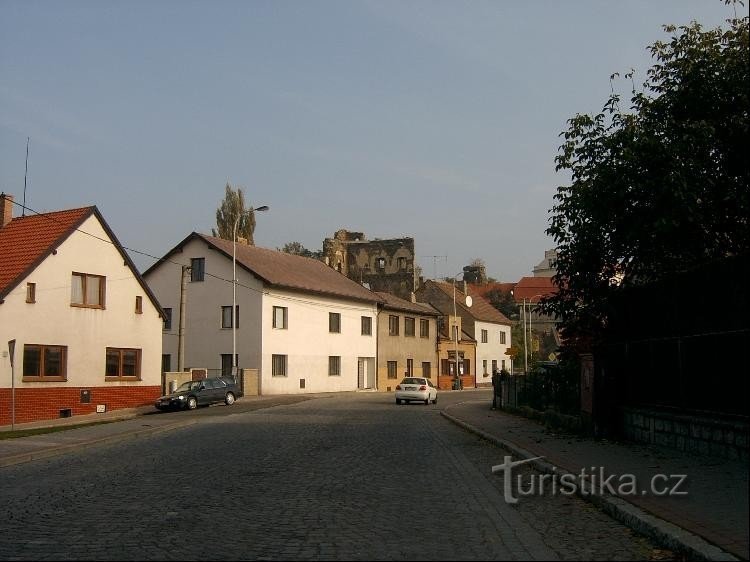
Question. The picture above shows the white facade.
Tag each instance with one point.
(306, 341)
(498, 341)
(85, 332)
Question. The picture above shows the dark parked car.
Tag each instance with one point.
(191, 394)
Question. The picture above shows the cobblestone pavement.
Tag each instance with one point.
(327, 479)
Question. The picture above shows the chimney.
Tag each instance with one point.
(466, 289)
(413, 297)
(6, 209)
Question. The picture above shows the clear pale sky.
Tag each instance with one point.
(433, 119)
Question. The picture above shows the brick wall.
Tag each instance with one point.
(36, 404)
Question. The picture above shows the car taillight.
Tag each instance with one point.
(423, 387)
(398, 387)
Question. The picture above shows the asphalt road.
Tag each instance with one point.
(329, 478)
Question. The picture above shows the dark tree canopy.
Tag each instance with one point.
(297, 249)
(659, 188)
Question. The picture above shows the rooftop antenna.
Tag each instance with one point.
(25, 174)
(434, 264)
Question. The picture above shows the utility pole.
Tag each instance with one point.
(181, 329)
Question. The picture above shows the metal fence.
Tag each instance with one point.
(551, 388)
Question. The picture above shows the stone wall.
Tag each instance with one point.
(726, 438)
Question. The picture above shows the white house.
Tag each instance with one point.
(304, 326)
(86, 327)
(482, 321)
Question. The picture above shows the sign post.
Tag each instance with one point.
(12, 350)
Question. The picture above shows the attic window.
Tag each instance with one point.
(139, 305)
(30, 292)
(380, 263)
(402, 263)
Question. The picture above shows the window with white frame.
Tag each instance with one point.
(87, 290)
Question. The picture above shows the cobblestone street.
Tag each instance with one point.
(353, 477)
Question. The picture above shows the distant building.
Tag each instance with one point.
(385, 266)
(546, 267)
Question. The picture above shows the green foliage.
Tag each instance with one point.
(660, 188)
(233, 206)
(503, 301)
(297, 249)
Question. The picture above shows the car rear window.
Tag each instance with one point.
(410, 380)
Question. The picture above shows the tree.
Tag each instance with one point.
(297, 249)
(233, 206)
(503, 301)
(661, 188)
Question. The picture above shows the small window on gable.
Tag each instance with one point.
(380, 263)
(402, 263)
(139, 305)
(30, 292)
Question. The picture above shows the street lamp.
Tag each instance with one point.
(455, 319)
(234, 284)
(529, 322)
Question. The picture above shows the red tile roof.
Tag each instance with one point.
(533, 288)
(476, 289)
(26, 241)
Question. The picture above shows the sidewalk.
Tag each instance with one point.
(714, 511)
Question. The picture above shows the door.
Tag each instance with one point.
(361, 373)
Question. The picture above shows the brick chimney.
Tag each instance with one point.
(6, 209)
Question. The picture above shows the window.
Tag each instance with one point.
(45, 362)
(166, 363)
(393, 325)
(167, 318)
(123, 363)
(426, 369)
(392, 369)
(334, 322)
(197, 269)
(366, 326)
(409, 326)
(402, 263)
(502, 337)
(226, 316)
(503, 364)
(484, 336)
(139, 305)
(484, 366)
(380, 263)
(30, 292)
(87, 290)
(278, 365)
(494, 365)
(280, 317)
(410, 367)
(334, 365)
(424, 328)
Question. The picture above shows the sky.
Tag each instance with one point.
(434, 119)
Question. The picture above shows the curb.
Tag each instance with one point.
(665, 533)
(62, 449)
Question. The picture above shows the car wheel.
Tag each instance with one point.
(427, 402)
(435, 400)
(192, 403)
(398, 401)
(229, 400)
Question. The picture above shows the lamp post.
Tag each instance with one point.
(234, 284)
(455, 319)
(531, 342)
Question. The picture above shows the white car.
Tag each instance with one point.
(413, 389)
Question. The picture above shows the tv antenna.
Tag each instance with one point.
(434, 264)
(25, 174)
